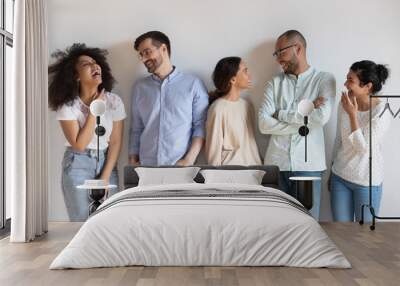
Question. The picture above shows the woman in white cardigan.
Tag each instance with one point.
(349, 184)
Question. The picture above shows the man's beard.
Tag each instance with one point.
(292, 66)
(153, 64)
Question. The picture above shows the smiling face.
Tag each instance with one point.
(242, 80)
(152, 56)
(88, 71)
(354, 86)
(286, 55)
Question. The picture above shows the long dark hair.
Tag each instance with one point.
(370, 72)
(63, 86)
(224, 71)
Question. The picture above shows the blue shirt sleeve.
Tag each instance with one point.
(136, 124)
(200, 106)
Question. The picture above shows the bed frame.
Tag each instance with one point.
(270, 179)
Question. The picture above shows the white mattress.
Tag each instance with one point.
(200, 231)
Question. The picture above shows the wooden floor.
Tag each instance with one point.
(374, 255)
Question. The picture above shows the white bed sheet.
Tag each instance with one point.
(200, 231)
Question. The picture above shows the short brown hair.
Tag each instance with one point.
(294, 34)
(158, 38)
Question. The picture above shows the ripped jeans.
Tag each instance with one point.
(76, 168)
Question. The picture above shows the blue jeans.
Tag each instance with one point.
(347, 199)
(289, 187)
(76, 168)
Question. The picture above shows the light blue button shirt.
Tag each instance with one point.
(165, 115)
(286, 147)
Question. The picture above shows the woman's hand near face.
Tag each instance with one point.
(349, 103)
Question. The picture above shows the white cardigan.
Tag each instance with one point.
(351, 151)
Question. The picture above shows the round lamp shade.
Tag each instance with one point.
(98, 107)
(305, 107)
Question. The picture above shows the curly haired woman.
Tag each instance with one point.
(80, 75)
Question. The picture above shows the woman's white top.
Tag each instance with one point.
(351, 151)
(77, 110)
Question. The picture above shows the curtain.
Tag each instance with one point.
(28, 123)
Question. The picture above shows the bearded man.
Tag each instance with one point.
(168, 108)
(279, 117)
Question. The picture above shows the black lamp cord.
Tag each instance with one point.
(98, 141)
(305, 138)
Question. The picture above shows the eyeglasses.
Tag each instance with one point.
(146, 53)
(279, 52)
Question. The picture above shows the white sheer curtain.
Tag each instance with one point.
(27, 123)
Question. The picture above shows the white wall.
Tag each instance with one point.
(338, 33)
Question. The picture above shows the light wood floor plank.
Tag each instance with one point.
(375, 257)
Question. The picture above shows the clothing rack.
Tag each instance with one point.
(371, 208)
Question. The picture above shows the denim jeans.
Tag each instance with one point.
(347, 199)
(76, 168)
(289, 187)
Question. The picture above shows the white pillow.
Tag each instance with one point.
(249, 177)
(163, 176)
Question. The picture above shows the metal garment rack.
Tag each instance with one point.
(371, 208)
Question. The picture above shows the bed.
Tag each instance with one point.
(198, 224)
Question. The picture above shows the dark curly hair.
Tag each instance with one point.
(63, 87)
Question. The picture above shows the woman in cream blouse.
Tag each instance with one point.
(349, 182)
(230, 122)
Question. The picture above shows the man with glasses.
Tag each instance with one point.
(168, 108)
(279, 117)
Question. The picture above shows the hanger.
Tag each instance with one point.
(387, 107)
(397, 113)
